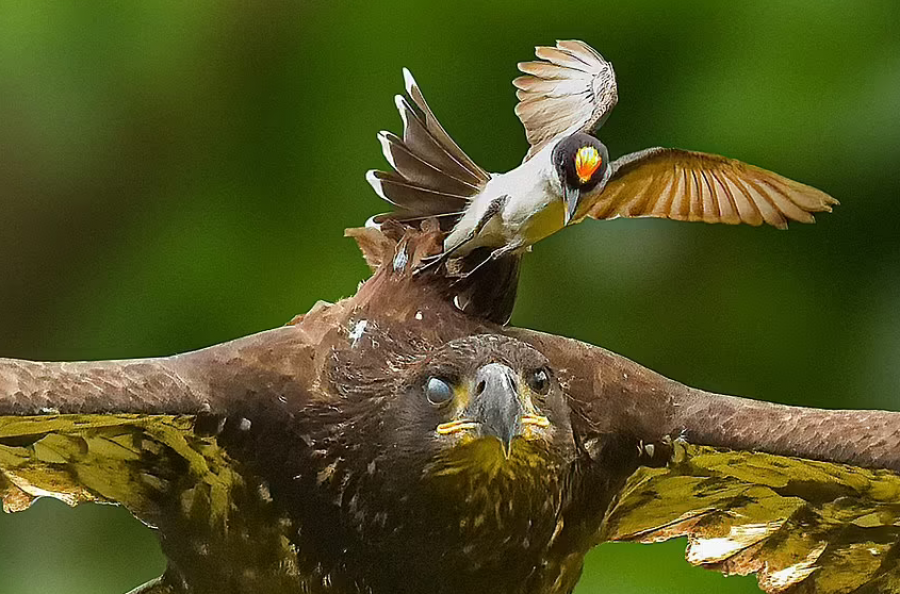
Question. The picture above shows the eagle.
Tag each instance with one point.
(392, 443)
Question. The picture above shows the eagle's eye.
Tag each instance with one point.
(438, 391)
(539, 381)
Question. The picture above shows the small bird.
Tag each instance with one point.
(566, 175)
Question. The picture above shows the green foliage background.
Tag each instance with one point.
(175, 174)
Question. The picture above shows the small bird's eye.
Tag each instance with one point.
(539, 381)
(437, 391)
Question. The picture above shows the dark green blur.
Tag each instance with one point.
(175, 174)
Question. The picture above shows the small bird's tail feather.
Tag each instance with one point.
(411, 200)
(446, 177)
(432, 176)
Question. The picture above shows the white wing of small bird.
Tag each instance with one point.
(566, 175)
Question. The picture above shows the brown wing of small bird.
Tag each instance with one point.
(573, 89)
(691, 186)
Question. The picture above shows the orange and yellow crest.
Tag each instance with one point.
(587, 160)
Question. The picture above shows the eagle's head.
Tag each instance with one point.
(465, 445)
(480, 410)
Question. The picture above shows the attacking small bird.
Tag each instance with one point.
(566, 175)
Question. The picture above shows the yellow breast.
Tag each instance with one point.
(545, 222)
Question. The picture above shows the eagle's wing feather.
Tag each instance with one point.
(807, 498)
(116, 432)
(159, 467)
(154, 436)
(143, 462)
(800, 525)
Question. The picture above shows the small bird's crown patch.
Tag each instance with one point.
(587, 160)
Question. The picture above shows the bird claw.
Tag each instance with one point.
(492, 257)
(461, 276)
(429, 262)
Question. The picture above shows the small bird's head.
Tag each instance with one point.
(582, 165)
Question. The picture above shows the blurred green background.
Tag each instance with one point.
(175, 174)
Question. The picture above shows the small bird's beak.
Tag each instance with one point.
(571, 196)
(495, 403)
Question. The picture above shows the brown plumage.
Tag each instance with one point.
(692, 186)
(321, 457)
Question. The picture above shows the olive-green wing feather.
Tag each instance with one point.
(801, 525)
(116, 432)
(143, 462)
(157, 466)
(153, 435)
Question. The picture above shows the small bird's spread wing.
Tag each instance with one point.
(432, 176)
(691, 186)
(802, 526)
(572, 89)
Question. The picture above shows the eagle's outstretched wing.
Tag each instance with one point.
(148, 435)
(107, 432)
(159, 467)
(135, 460)
(800, 525)
(808, 499)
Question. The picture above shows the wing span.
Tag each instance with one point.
(153, 435)
(111, 431)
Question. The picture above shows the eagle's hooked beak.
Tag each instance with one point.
(571, 196)
(496, 404)
(499, 408)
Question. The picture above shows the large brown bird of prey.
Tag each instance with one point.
(390, 443)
